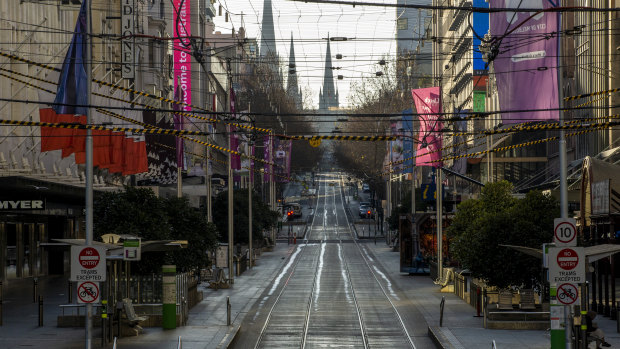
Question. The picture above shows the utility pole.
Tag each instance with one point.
(208, 184)
(563, 165)
(250, 190)
(439, 203)
(89, 161)
(272, 186)
(230, 184)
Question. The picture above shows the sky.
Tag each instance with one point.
(370, 30)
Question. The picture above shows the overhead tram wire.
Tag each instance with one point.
(145, 94)
(151, 129)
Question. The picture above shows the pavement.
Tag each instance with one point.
(207, 325)
(461, 329)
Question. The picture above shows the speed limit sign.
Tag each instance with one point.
(564, 232)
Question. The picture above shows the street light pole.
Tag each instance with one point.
(230, 185)
(89, 161)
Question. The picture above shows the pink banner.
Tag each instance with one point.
(428, 104)
(182, 49)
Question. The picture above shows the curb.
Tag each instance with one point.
(229, 337)
(439, 338)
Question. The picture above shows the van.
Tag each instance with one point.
(293, 210)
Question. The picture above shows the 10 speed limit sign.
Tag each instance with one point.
(564, 232)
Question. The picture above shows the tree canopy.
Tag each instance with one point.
(262, 217)
(139, 212)
(481, 225)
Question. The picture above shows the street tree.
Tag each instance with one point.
(262, 217)
(497, 218)
(139, 212)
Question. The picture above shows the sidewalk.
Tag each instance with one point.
(460, 328)
(206, 326)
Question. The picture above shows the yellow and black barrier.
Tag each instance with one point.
(126, 89)
(597, 93)
(162, 131)
(342, 138)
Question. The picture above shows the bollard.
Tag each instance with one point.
(478, 303)
(69, 292)
(35, 290)
(228, 311)
(40, 311)
(441, 305)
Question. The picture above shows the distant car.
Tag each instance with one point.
(365, 211)
(365, 188)
(293, 210)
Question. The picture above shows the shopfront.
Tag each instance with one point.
(32, 213)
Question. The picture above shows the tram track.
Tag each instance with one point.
(340, 307)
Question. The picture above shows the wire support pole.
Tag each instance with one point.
(89, 162)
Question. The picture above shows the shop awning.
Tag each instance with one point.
(593, 253)
(113, 249)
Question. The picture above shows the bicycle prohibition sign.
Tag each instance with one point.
(567, 294)
(88, 292)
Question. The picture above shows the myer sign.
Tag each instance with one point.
(7, 205)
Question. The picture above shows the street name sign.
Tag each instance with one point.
(567, 265)
(88, 292)
(88, 263)
(564, 232)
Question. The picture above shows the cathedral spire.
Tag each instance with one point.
(329, 97)
(292, 84)
(268, 37)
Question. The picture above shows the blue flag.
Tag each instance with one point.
(72, 85)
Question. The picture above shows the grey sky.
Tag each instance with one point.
(373, 28)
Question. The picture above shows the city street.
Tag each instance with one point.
(332, 291)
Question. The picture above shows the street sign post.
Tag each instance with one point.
(567, 265)
(564, 232)
(88, 292)
(88, 263)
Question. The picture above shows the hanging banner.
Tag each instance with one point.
(182, 50)
(396, 146)
(408, 136)
(459, 147)
(527, 58)
(429, 141)
(281, 158)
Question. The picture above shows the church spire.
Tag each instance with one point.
(292, 85)
(329, 97)
(268, 37)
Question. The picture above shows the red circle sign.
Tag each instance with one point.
(89, 258)
(565, 232)
(567, 259)
(567, 294)
(88, 292)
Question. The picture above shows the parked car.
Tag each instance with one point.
(365, 211)
(365, 188)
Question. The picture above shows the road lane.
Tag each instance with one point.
(328, 295)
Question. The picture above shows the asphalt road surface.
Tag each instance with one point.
(332, 293)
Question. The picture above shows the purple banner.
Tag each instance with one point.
(428, 104)
(526, 66)
(281, 158)
(234, 139)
